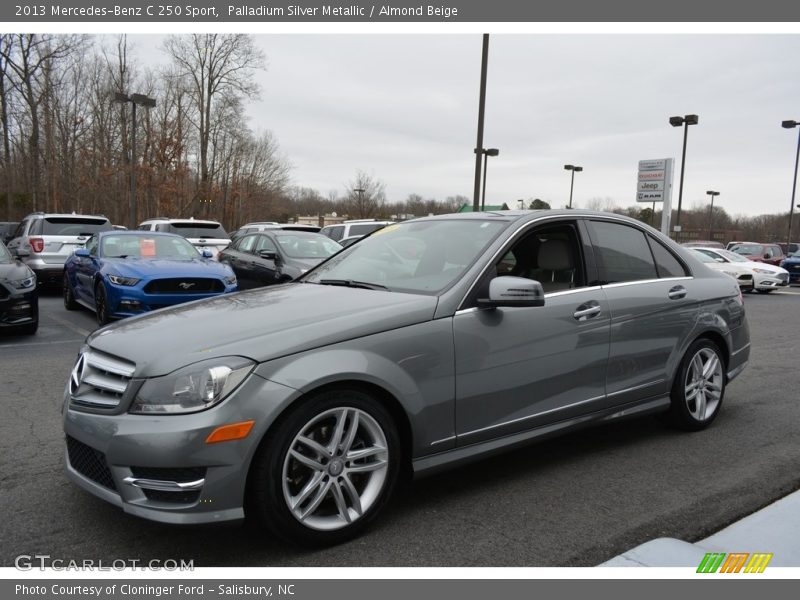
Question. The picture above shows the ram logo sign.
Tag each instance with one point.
(734, 562)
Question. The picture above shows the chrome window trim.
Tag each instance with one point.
(443, 441)
(643, 281)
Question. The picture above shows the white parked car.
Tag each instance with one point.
(204, 235)
(766, 277)
(740, 272)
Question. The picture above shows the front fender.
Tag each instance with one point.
(414, 365)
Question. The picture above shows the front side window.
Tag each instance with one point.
(622, 252)
(550, 254)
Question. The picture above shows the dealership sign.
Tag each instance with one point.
(654, 184)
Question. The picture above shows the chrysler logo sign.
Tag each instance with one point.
(77, 374)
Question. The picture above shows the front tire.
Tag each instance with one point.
(69, 296)
(699, 387)
(101, 304)
(327, 470)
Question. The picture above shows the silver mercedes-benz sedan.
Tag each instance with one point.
(427, 344)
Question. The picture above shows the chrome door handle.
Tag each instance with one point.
(677, 293)
(583, 314)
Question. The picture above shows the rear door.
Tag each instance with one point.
(653, 308)
(239, 257)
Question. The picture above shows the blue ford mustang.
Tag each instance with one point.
(124, 273)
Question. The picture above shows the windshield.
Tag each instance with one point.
(732, 256)
(702, 256)
(416, 257)
(5, 255)
(198, 230)
(147, 246)
(306, 245)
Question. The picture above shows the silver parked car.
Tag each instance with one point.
(428, 344)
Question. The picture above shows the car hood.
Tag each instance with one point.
(13, 271)
(260, 324)
(145, 268)
(733, 267)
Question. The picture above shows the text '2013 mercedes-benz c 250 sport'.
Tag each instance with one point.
(428, 344)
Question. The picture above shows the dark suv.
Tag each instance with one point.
(51, 238)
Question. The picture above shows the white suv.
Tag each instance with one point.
(205, 235)
(357, 227)
(50, 238)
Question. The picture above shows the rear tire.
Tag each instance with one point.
(699, 387)
(326, 470)
(765, 291)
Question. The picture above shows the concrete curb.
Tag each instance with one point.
(774, 529)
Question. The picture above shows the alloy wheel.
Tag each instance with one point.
(335, 468)
(703, 385)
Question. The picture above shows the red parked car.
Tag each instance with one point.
(766, 253)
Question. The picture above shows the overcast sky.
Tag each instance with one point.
(404, 109)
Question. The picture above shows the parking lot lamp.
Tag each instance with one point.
(574, 169)
(711, 213)
(147, 102)
(677, 122)
(486, 154)
(792, 125)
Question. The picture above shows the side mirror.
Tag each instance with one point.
(82, 252)
(22, 252)
(268, 254)
(207, 253)
(513, 292)
(767, 255)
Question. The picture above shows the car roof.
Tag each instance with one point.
(138, 233)
(160, 220)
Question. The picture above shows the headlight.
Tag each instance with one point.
(193, 388)
(732, 274)
(118, 280)
(23, 284)
(763, 271)
(231, 280)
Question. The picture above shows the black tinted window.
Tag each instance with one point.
(198, 230)
(71, 226)
(623, 253)
(364, 229)
(666, 262)
(333, 232)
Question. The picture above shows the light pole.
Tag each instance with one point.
(147, 102)
(574, 169)
(481, 113)
(360, 192)
(792, 125)
(711, 213)
(486, 154)
(677, 122)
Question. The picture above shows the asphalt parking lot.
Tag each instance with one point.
(574, 501)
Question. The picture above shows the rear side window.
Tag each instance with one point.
(623, 253)
(666, 262)
(70, 226)
(333, 231)
(364, 229)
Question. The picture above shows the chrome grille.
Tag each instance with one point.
(99, 380)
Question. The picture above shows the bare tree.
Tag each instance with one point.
(216, 66)
(365, 195)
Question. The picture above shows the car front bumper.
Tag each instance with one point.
(160, 467)
(18, 308)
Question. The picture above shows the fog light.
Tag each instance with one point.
(130, 304)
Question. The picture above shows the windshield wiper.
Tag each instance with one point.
(352, 283)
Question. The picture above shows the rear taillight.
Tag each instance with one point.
(37, 244)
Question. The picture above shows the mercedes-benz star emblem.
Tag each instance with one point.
(76, 376)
